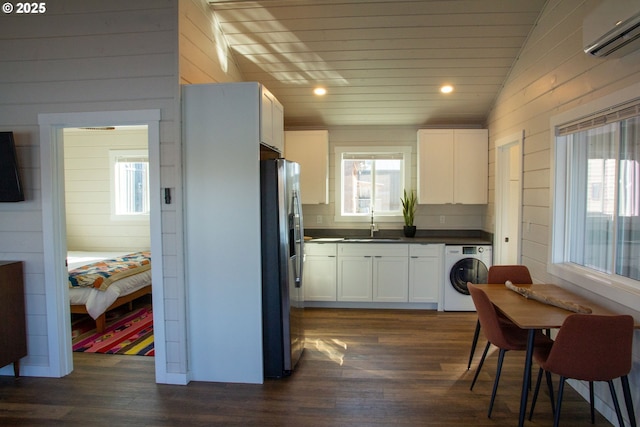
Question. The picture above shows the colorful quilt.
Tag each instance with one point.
(101, 274)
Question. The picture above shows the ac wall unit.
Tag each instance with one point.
(612, 29)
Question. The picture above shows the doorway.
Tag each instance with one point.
(107, 217)
(54, 226)
(508, 207)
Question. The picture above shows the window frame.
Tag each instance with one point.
(369, 150)
(114, 155)
(614, 287)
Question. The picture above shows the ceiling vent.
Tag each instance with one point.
(612, 29)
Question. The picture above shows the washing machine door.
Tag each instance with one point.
(467, 270)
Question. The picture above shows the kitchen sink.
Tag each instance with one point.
(371, 239)
(355, 239)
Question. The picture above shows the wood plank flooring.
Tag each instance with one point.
(360, 368)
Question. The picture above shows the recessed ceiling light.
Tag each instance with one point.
(320, 91)
(446, 89)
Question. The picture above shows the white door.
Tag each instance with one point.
(508, 199)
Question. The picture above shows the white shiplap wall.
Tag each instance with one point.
(84, 56)
(204, 54)
(552, 76)
(90, 225)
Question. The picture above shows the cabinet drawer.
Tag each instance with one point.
(320, 249)
(373, 249)
(425, 250)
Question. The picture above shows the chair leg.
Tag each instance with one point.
(616, 405)
(550, 387)
(535, 393)
(627, 400)
(474, 343)
(484, 355)
(591, 400)
(556, 419)
(496, 381)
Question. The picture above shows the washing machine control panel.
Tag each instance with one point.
(472, 250)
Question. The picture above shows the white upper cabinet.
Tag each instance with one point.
(311, 150)
(453, 166)
(271, 121)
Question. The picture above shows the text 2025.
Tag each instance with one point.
(31, 7)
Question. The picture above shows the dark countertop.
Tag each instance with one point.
(448, 237)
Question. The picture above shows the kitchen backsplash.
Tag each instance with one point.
(428, 217)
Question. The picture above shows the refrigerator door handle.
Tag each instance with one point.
(298, 238)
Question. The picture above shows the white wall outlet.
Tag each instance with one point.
(442, 219)
(319, 219)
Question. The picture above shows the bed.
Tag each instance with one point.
(100, 281)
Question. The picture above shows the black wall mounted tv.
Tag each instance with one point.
(10, 185)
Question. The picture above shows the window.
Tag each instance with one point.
(129, 183)
(370, 181)
(598, 173)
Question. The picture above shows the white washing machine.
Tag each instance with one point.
(464, 264)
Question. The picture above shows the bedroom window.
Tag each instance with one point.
(598, 194)
(370, 179)
(129, 183)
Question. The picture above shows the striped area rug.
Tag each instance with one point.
(130, 334)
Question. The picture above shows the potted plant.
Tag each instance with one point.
(408, 211)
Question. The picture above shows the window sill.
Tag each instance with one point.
(615, 288)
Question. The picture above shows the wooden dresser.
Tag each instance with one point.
(13, 330)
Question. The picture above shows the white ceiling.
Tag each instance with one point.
(382, 62)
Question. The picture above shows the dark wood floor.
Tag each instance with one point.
(360, 368)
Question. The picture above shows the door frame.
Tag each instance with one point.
(501, 184)
(54, 228)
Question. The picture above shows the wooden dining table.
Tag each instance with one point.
(534, 315)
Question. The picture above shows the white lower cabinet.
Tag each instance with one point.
(319, 276)
(425, 272)
(373, 272)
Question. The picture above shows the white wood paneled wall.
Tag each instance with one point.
(88, 195)
(204, 53)
(552, 75)
(84, 56)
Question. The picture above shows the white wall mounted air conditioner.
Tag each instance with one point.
(612, 29)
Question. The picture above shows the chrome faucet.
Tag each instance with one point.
(372, 227)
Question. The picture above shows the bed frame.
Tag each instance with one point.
(101, 321)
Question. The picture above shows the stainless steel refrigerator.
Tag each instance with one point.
(282, 265)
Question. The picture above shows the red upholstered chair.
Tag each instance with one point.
(591, 348)
(517, 274)
(505, 336)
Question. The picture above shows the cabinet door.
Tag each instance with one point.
(271, 121)
(319, 280)
(452, 166)
(311, 150)
(277, 120)
(435, 168)
(266, 117)
(424, 279)
(390, 279)
(13, 333)
(354, 278)
(471, 164)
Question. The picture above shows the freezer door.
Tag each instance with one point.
(296, 263)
